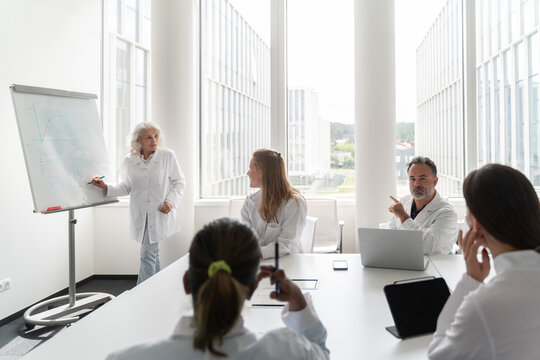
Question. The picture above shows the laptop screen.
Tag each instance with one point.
(397, 249)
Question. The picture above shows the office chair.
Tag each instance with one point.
(308, 234)
(329, 233)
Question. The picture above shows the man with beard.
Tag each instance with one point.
(425, 210)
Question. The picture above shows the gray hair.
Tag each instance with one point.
(423, 160)
(133, 140)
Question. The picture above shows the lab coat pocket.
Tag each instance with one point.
(167, 223)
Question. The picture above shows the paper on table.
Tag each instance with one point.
(261, 296)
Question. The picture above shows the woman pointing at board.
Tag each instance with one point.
(151, 176)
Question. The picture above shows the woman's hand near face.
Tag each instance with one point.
(166, 207)
(288, 291)
(470, 244)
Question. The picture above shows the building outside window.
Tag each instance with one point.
(235, 93)
(235, 96)
(320, 70)
(309, 143)
(439, 125)
(508, 60)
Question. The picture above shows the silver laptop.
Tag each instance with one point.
(395, 249)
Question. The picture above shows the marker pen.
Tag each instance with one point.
(277, 264)
(91, 181)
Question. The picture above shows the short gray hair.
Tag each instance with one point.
(423, 160)
(133, 139)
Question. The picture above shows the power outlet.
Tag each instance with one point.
(5, 284)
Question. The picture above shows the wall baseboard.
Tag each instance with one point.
(65, 291)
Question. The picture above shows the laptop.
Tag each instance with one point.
(394, 249)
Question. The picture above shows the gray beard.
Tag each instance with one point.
(420, 197)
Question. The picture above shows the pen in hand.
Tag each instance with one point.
(91, 181)
(276, 244)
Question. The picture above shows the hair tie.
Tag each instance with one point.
(218, 265)
(279, 154)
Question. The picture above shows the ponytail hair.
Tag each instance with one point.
(219, 295)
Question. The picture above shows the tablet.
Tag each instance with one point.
(415, 305)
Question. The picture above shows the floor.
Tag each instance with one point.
(16, 340)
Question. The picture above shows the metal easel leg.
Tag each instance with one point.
(78, 304)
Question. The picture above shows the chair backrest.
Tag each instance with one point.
(326, 211)
(235, 205)
(308, 234)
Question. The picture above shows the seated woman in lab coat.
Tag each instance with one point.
(223, 262)
(277, 212)
(498, 319)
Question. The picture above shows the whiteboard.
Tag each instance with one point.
(63, 146)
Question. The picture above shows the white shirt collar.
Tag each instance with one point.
(519, 259)
(186, 328)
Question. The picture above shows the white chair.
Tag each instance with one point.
(329, 232)
(308, 234)
(235, 205)
(463, 226)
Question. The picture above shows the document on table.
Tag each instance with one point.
(261, 296)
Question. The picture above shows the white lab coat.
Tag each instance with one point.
(303, 338)
(437, 221)
(496, 320)
(292, 219)
(149, 185)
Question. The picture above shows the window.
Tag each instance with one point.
(508, 95)
(235, 92)
(320, 73)
(235, 95)
(126, 71)
(507, 62)
(439, 123)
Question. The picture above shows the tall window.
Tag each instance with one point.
(413, 19)
(235, 92)
(507, 65)
(439, 125)
(321, 96)
(508, 56)
(126, 70)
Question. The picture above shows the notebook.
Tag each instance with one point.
(395, 249)
(415, 305)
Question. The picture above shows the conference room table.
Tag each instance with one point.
(351, 304)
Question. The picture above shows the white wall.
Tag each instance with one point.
(55, 44)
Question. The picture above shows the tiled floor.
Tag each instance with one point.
(16, 340)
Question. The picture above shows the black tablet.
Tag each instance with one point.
(416, 305)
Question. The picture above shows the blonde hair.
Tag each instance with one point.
(218, 299)
(133, 140)
(275, 186)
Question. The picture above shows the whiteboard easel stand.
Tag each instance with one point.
(79, 304)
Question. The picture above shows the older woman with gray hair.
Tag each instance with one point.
(151, 176)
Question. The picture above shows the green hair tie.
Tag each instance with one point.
(218, 265)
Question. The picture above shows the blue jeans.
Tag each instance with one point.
(150, 260)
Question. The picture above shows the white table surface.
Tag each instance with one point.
(350, 303)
